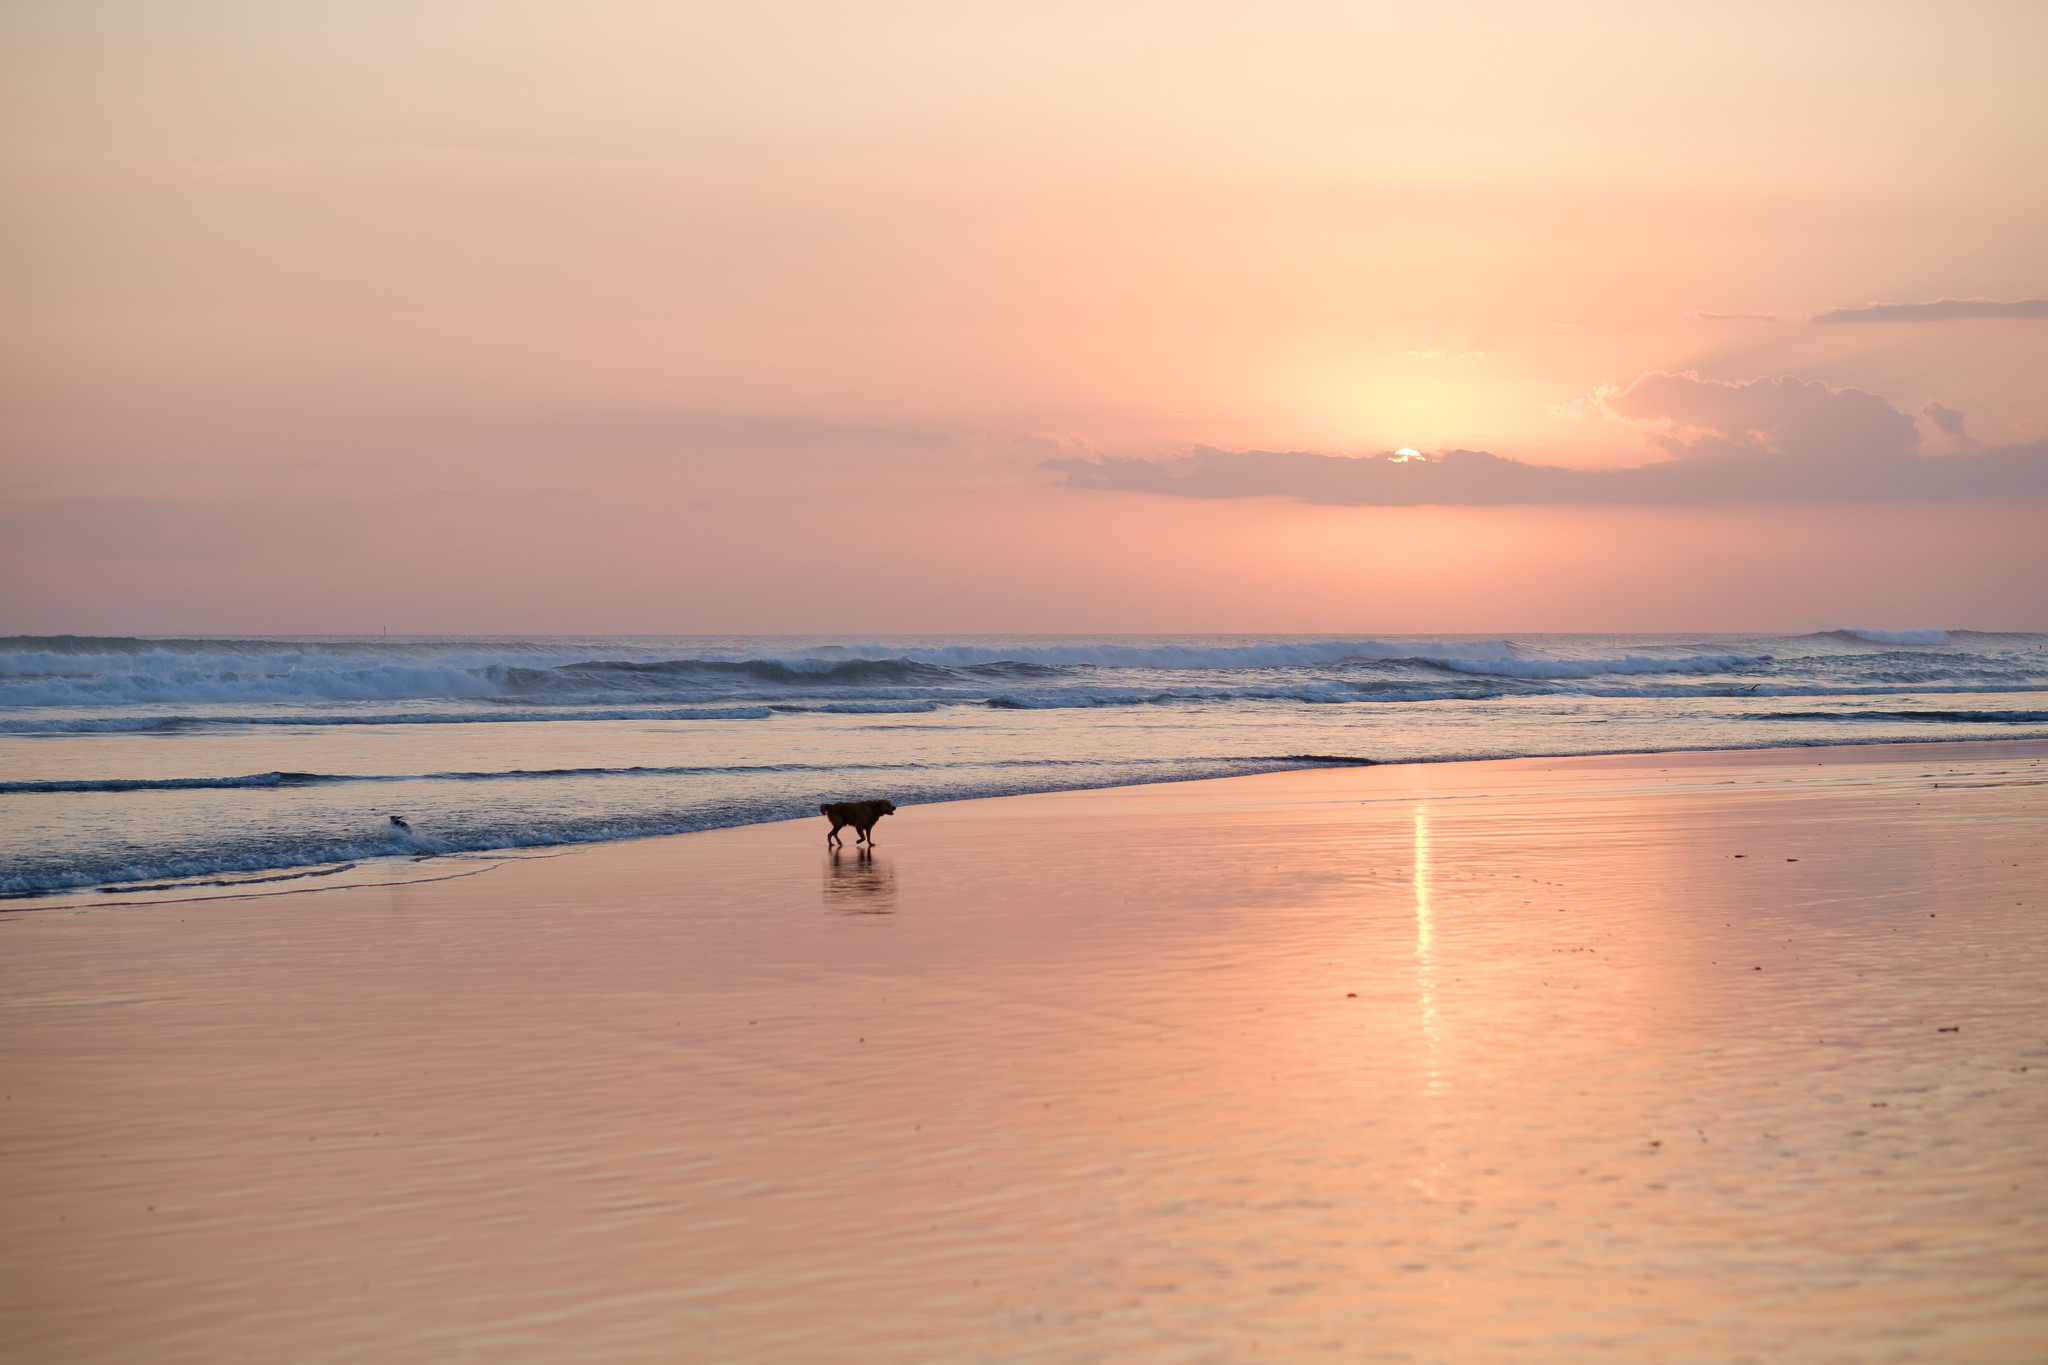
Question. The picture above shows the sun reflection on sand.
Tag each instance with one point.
(1425, 956)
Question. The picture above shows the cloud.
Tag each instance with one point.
(1763, 440)
(1947, 423)
(1736, 317)
(1801, 422)
(1946, 419)
(1054, 445)
(1941, 310)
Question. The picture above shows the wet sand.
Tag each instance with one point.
(1488, 1061)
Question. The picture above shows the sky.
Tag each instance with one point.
(705, 318)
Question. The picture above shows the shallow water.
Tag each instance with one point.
(1513, 1061)
(136, 761)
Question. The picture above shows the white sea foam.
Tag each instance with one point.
(158, 678)
(873, 673)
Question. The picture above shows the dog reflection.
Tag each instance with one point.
(859, 884)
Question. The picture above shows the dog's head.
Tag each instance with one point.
(883, 808)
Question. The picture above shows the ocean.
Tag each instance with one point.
(180, 764)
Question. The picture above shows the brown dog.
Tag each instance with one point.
(860, 814)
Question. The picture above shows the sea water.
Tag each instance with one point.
(139, 762)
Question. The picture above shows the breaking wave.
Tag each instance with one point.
(80, 674)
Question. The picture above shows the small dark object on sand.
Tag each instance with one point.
(399, 821)
(1952, 1028)
(862, 815)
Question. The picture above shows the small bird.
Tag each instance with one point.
(400, 822)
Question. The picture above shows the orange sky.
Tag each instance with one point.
(649, 317)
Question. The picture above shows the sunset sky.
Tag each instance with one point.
(660, 317)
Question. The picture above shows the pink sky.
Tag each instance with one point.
(644, 317)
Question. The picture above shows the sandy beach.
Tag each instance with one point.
(1449, 599)
(1714, 1057)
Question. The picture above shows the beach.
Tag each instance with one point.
(1440, 608)
(1672, 1057)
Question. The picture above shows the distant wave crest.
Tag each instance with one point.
(1594, 668)
(84, 685)
(1894, 637)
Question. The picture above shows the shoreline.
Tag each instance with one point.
(378, 866)
(1665, 1058)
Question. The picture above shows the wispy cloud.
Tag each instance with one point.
(1941, 310)
(1764, 440)
(1736, 317)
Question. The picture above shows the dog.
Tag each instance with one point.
(862, 815)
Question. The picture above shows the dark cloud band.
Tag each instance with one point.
(1763, 441)
(1941, 310)
(1475, 478)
